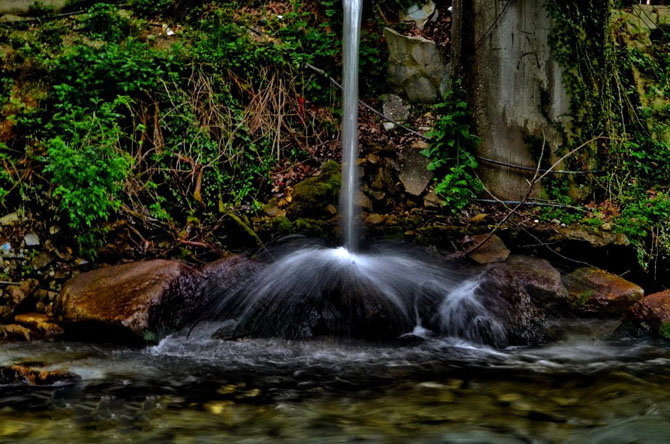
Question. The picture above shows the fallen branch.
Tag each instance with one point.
(536, 179)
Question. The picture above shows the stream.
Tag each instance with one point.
(581, 388)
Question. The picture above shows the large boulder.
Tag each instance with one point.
(519, 321)
(135, 301)
(224, 276)
(651, 315)
(595, 291)
(540, 280)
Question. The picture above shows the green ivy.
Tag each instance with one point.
(451, 152)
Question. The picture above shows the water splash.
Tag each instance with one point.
(381, 293)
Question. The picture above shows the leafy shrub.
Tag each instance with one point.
(104, 22)
(451, 152)
(88, 169)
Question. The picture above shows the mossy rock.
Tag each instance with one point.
(312, 196)
(282, 226)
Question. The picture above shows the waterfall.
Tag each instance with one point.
(351, 33)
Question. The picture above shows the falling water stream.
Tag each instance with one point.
(437, 381)
(351, 37)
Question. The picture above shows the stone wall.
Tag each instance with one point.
(22, 7)
(500, 49)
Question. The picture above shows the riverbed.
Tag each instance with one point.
(582, 387)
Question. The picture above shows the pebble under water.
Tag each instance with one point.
(580, 389)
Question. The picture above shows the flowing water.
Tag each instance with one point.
(580, 389)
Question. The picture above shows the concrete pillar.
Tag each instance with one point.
(501, 52)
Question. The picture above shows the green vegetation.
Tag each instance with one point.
(618, 82)
(664, 330)
(451, 152)
(120, 112)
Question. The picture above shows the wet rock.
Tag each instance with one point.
(540, 280)
(23, 374)
(136, 301)
(226, 274)
(312, 196)
(395, 108)
(15, 295)
(493, 250)
(595, 291)
(520, 321)
(39, 322)
(416, 66)
(14, 332)
(413, 172)
(651, 314)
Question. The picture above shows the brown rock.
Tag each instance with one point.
(375, 219)
(593, 290)
(493, 250)
(413, 173)
(653, 311)
(432, 200)
(39, 322)
(140, 300)
(14, 295)
(363, 201)
(542, 281)
(33, 376)
(14, 331)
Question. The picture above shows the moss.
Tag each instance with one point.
(582, 298)
(312, 196)
(664, 330)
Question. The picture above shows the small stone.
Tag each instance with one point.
(414, 174)
(373, 159)
(493, 250)
(432, 200)
(41, 260)
(420, 145)
(10, 219)
(478, 218)
(375, 219)
(363, 201)
(31, 240)
(418, 16)
(388, 126)
(395, 108)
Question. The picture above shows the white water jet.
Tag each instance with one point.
(351, 36)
